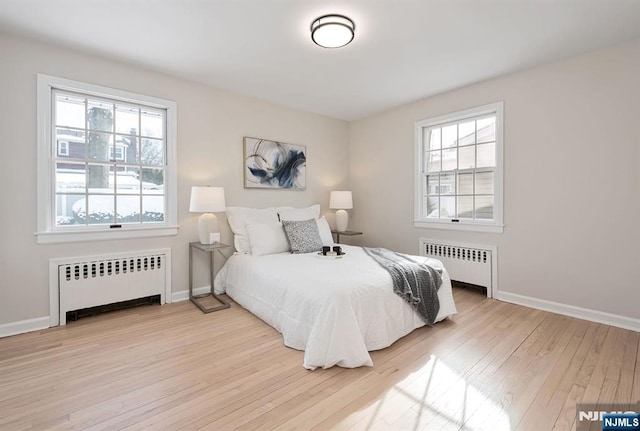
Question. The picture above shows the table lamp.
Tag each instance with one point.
(207, 200)
(341, 201)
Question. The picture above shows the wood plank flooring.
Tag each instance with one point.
(493, 366)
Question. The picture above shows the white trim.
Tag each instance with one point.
(114, 234)
(461, 226)
(54, 292)
(183, 295)
(47, 232)
(454, 117)
(571, 310)
(44, 172)
(497, 225)
(167, 275)
(22, 326)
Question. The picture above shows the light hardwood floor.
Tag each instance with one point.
(493, 366)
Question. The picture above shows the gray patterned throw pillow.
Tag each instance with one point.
(303, 235)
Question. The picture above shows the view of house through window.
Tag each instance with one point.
(459, 168)
(110, 161)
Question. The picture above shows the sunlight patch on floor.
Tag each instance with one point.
(433, 397)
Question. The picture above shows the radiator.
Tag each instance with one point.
(466, 263)
(101, 280)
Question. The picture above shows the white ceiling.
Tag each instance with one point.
(404, 50)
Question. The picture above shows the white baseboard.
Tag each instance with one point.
(15, 328)
(30, 325)
(39, 323)
(571, 310)
(183, 295)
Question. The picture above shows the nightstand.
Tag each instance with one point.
(345, 232)
(211, 249)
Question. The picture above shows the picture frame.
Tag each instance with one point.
(274, 165)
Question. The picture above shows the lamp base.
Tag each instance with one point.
(207, 223)
(342, 220)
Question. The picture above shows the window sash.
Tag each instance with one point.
(110, 200)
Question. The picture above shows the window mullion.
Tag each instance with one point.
(455, 190)
(473, 214)
(139, 153)
(86, 165)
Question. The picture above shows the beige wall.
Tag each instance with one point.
(572, 187)
(211, 125)
(571, 236)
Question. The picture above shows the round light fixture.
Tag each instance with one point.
(332, 31)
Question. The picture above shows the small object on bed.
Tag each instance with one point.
(330, 255)
(326, 251)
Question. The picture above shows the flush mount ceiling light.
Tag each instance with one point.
(332, 31)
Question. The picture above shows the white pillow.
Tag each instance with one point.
(325, 232)
(267, 238)
(239, 217)
(299, 214)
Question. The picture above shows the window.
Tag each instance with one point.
(117, 152)
(63, 148)
(459, 170)
(106, 163)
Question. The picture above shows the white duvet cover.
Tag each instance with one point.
(336, 310)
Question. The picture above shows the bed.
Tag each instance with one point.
(335, 309)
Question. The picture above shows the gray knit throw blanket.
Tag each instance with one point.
(416, 283)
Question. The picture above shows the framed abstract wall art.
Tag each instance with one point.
(274, 165)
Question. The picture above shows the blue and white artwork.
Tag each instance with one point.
(274, 165)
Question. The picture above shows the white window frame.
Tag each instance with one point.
(47, 232)
(113, 152)
(493, 226)
(62, 152)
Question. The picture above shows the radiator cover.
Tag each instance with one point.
(474, 264)
(92, 281)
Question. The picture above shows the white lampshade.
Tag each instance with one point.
(341, 200)
(207, 200)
